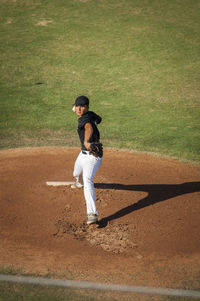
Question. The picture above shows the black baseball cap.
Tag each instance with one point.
(82, 101)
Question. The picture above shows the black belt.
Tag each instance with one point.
(83, 152)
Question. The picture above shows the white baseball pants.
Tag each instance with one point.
(86, 165)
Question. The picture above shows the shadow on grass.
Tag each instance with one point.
(156, 193)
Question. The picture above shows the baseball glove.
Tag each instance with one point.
(96, 149)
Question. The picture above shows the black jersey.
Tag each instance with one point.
(93, 119)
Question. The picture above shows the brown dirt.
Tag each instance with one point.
(149, 218)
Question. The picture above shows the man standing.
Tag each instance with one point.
(90, 157)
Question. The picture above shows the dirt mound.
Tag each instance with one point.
(112, 239)
(148, 232)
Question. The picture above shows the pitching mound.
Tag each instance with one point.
(148, 206)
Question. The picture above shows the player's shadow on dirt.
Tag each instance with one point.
(156, 193)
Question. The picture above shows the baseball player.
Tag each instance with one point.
(90, 157)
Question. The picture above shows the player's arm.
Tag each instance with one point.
(97, 118)
(88, 134)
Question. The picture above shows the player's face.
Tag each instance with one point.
(80, 110)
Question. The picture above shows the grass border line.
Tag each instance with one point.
(125, 150)
(100, 286)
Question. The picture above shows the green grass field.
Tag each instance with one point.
(30, 292)
(137, 61)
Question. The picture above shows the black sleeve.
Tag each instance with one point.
(83, 120)
(94, 117)
(89, 117)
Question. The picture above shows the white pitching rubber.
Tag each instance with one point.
(59, 183)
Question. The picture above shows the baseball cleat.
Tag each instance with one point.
(77, 185)
(92, 219)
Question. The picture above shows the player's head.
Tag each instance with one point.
(81, 105)
(82, 101)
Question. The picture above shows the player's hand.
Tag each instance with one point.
(96, 149)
